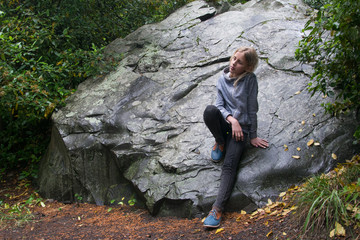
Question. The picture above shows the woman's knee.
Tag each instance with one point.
(210, 112)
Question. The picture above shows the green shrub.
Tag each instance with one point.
(332, 198)
(47, 48)
(332, 45)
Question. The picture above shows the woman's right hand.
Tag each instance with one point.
(237, 132)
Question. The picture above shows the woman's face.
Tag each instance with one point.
(238, 64)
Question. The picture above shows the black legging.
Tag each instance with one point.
(221, 130)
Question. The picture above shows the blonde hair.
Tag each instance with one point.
(251, 59)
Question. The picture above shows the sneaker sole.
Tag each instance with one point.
(211, 226)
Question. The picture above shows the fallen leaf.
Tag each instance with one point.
(334, 156)
(303, 122)
(282, 194)
(269, 234)
(284, 234)
(243, 212)
(286, 147)
(300, 130)
(339, 230)
(269, 202)
(314, 114)
(299, 149)
(203, 220)
(274, 213)
(219, 230)
(266, 223)
(298, 92)
(317, 144)
(310, 142)
(42, 204)
(296, 157)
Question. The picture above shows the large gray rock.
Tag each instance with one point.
(139, 130)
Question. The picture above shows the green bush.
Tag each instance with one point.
(332, 198)
(332, 45)
(47, 48)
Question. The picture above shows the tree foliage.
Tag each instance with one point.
(47, 48)
(332, 45)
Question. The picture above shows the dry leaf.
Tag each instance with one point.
(284, 234)
(286, 148)
(243, 212)
(334, 156)
(303, 122)
(297, 93)
(300, 130)
(317, 144)
(269, 234)
(314, 114)
(269, 202)
(203, 220)
(282, 194)
(338, 231)
(310, 142)
(219, 230)
(296, 157)
(299, 149)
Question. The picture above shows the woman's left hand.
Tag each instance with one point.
(259, 142)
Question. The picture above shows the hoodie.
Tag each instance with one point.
(239, 101)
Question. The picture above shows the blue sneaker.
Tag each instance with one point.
(211, 221)
(217, 152)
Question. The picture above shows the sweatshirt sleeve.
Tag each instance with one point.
(252, 106)
(220, 101)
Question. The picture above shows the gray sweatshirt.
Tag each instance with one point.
(240, 101)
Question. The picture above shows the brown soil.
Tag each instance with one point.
(54, 220)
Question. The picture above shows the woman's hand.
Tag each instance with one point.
(237, 132)
(259, 142)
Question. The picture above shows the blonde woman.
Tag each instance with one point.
(232, 121)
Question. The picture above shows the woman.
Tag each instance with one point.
(231, 121)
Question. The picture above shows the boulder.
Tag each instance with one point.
(138, 132)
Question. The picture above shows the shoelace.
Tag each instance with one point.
(213, 213)
(221, 147)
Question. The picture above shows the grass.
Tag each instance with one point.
(330, 201)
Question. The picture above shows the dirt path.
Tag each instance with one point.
(54, 220)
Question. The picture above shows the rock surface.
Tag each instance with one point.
(138, 131)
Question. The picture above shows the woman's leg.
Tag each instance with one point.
(234, 150)
(216, 123)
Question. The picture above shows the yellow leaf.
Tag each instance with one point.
(302, 122)
(286, 148)
(298, 92)
(269, 234)
(334, 156)
(284, 234)
(317, 144)
(219, 230)
(332, 233)
(296, 157)
(274, 213)
(203, 220)
(310, 142)
(314, 114)
(299, 149)
(243, 212)
(266, 223)
(339, 230)
(282, 194)
(300, 130)
(269, 202)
